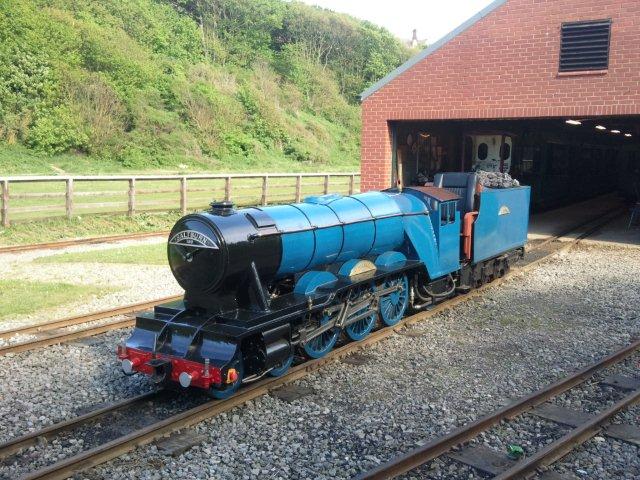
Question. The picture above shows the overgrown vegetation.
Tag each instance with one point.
(183, 85)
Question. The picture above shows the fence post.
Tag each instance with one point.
(265, 180)
(352, 180)
(326, 184)
(132, 197)
(5, 203)
(227, 189)
(69, 198)
(183, 195)
(298, 188)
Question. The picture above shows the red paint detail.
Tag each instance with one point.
(199, 378)
(467, 233)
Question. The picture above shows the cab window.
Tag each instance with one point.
(483, 151)
(447, 213)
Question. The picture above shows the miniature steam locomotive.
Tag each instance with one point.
(264, 283)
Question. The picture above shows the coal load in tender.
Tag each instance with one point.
(496, 180)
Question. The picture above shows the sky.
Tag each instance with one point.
(432, 18)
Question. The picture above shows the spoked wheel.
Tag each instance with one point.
(228, 389)
(281, 369)
(322, 344)
(360, 329)
(394, 304)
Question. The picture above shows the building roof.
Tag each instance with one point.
(431, 48)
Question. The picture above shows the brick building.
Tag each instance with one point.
(539, 88)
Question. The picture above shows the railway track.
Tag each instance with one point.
(88, 430)
(155, 430)
(11, 447)
(501, 468)
(60, 331)
(80, 241)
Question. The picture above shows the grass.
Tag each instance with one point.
(44, 295)
(88, 226)
(155, 254)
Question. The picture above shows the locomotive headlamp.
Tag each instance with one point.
(185, 379)
(127, 366)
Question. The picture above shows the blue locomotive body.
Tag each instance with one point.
(262, 283)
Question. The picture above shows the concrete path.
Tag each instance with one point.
(555, 222)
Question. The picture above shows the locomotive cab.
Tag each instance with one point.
(445, 221)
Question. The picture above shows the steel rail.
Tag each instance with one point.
(60, 337)
(55, 339)
(119, 446)
(514, 272)
(47, 337)
(441, 445)
(568, 442)
(141, 235)
(108, 451)
(29, 439)
(79, 241)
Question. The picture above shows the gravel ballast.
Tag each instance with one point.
(454, 367)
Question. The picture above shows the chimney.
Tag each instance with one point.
(414, 38)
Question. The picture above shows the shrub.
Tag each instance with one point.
(99, 109)
(238, 143)
(58, 130)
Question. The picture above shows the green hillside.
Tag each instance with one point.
(183, 85)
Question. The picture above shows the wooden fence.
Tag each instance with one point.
(30, 197)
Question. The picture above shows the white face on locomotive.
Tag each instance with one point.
(491, 154)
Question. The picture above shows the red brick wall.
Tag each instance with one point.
(506, 66)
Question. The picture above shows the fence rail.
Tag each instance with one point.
(30, 197)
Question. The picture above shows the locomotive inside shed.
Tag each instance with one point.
(563, 160)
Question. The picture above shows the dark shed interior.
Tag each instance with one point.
(563, 160)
